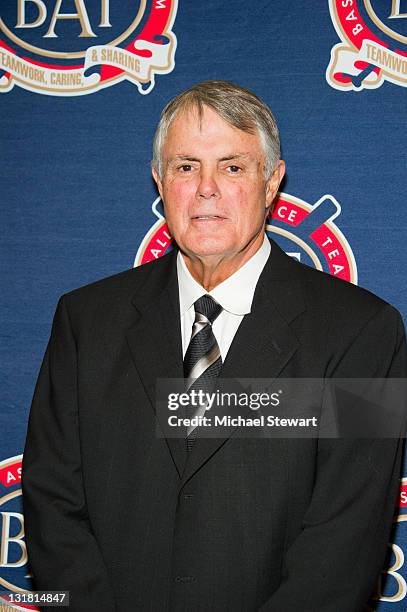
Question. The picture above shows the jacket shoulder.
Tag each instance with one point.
(343, 296)
(120, 284)
(111, 297)
(323, 291)
(349, 310)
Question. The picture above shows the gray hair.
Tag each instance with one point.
(236, 105)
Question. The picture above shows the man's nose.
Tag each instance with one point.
(208, 186)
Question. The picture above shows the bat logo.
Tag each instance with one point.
(45, 49)
(373, 47)
(14, 572)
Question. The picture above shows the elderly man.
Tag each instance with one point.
(126, 519)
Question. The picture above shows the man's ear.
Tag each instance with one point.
(157, 180)
(273, 182)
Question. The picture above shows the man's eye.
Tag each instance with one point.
(185, 168)
(234, 169)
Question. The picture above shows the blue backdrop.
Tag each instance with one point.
(76, 190)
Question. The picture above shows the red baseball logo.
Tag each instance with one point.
(14, 576)
(101, 43)
(373, 47)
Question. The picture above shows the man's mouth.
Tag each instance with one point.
(207, 217)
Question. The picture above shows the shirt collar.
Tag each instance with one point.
(229, 293)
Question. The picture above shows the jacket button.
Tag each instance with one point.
(184, 579)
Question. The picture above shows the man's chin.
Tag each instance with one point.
(208, 249)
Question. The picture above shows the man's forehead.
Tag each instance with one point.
(189, 123)
(231, 156)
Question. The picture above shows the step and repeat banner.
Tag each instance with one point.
(82, 84)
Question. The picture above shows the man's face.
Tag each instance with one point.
(215, 195)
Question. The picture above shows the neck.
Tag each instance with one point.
(210, 271)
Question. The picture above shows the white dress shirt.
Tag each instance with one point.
(235, 295)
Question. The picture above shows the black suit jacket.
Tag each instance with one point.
(276, 525)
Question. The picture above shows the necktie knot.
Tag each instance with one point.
(207, 307)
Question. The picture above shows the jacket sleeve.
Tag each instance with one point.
(62, 550)
(335, 561)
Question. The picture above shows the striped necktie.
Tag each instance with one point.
(202, 361)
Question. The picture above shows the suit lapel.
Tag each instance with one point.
(155, 339)
(264, 342)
